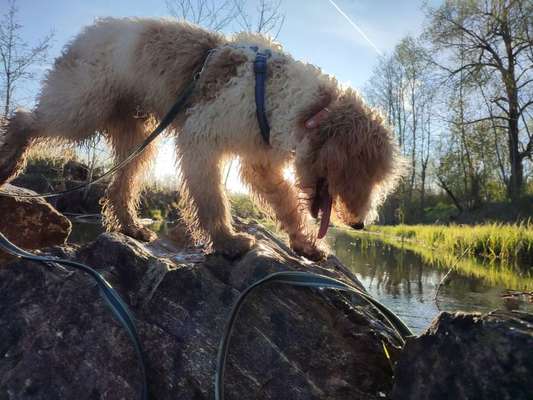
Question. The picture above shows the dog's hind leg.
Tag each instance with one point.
(120, 205)
(267, 182)
(16, 135)
(207, 207)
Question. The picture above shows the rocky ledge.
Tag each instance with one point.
(30, 222)
(469, 356)
(59, 341)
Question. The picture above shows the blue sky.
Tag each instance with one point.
(313, 31)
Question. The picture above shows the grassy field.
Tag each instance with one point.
(503, 244)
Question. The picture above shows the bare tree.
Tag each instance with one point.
(402, 87)
(264, 17)
(16, 56)
(92, 147)
(212, 14)
(495, 39)
(268, 18)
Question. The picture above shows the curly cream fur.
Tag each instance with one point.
(117, 65)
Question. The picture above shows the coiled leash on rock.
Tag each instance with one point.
(305, 279)
(108, 293)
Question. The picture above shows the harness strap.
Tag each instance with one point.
(260, 70)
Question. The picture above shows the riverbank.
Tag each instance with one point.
(498, 254)
(506, 244)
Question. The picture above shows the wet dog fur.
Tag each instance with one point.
(118, 65)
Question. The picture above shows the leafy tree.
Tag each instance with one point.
(490, 41)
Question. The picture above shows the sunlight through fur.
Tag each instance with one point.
(118, 66)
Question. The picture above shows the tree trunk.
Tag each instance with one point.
(7, 104)
(516, 179)
(449, 192)
(423, 186)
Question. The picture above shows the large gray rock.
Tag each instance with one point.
(59, 341)
(469, 356)
(31, 223)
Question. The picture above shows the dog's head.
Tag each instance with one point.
(349, 163)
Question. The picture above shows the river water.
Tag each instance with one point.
(400, 279)
(407, 284)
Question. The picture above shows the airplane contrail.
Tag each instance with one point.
(356, 27)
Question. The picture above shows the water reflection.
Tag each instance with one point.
(406, 284)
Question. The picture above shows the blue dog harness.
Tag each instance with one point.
(260, 71)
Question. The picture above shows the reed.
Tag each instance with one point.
(503, 244)
(494, 273)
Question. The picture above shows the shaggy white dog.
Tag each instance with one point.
(118, 66)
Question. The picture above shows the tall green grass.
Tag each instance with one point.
(505, 244)
(508, 276)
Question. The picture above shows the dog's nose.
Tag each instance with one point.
(358, 226)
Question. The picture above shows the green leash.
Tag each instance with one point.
(109, 294)
(122, 313)
(298, 279)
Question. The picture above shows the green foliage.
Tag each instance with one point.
(494, 273)
(504, 244)
(440, 212)
(244, 207)
(159, 203)
(49, 167)
(156, 214)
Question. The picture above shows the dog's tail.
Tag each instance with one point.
(16, 134)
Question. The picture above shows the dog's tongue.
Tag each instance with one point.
(325, 206)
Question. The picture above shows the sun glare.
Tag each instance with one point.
(166, 169)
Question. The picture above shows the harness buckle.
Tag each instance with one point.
(260, 63)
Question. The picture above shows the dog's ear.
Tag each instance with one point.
(360, 157)
(322, 100)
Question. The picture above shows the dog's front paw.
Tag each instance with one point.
(235, 245)
(140, 233)
(308, 250)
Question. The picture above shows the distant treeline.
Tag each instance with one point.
(460, 99)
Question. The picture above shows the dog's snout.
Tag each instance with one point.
(358, 226)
